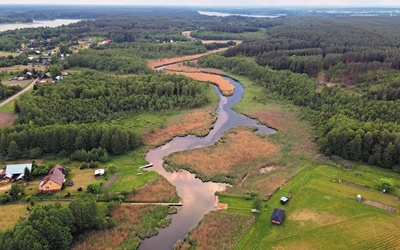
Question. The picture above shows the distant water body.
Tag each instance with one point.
(221, 14)
(36, 24)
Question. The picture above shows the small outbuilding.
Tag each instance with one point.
(359, 198)
(277, 216)
(284, 199)
(99, 172)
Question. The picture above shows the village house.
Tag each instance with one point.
(53, 181)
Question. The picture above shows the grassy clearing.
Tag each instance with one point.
(131, 176)
(7, 53)
(323, 213)
(134, 223)
(238, 152)
(8, 108)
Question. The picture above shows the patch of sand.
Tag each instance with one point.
(7, 118)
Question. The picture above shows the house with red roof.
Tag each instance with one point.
(53, 181)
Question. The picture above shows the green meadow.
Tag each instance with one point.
(324, 214)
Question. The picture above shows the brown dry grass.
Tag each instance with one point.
(133, 223)
(238, 151)
(10, 215)
(166, 61)
(218, 231)
(158, 190)
(223, 84)
(203, 75)
(126, 217)
(7, 118)
(197, 121)
(183, 68)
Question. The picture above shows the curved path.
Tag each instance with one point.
(30, 86)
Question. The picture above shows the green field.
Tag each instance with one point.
(323, 213)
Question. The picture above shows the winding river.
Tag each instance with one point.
(197, 196)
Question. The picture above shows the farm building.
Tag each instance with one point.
(54, 180)
(17, 170)
(277, 216)
(99, 172)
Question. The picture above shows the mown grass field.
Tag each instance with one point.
(323, 214)
(11, 214)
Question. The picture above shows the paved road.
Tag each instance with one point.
(111, 180)
(30, 86)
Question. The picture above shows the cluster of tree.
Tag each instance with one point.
(55, 226)
(161, 50)
(95, 154)
(8, 61)
(28, 141)
(7, 91)
(213, 46)
(118, 61)
(311, 44)
(94, 97)
(361, 128)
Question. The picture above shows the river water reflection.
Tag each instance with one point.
(197, 196)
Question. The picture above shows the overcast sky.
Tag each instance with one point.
(356, 3)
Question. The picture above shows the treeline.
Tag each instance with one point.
(124, 25)
(28, 141)
(129, 58)
(159, 50)
(8, 91)
(360, 128)
(55, 226)
(8, 61)
(118, 61)
(95, 97)
(349, 49)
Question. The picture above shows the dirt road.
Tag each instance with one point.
(30, 86)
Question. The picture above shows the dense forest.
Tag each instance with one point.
(360, 128)
(93, 97)
(348, 49)
(29, 141)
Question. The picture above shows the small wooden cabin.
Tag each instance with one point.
(277, 216)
